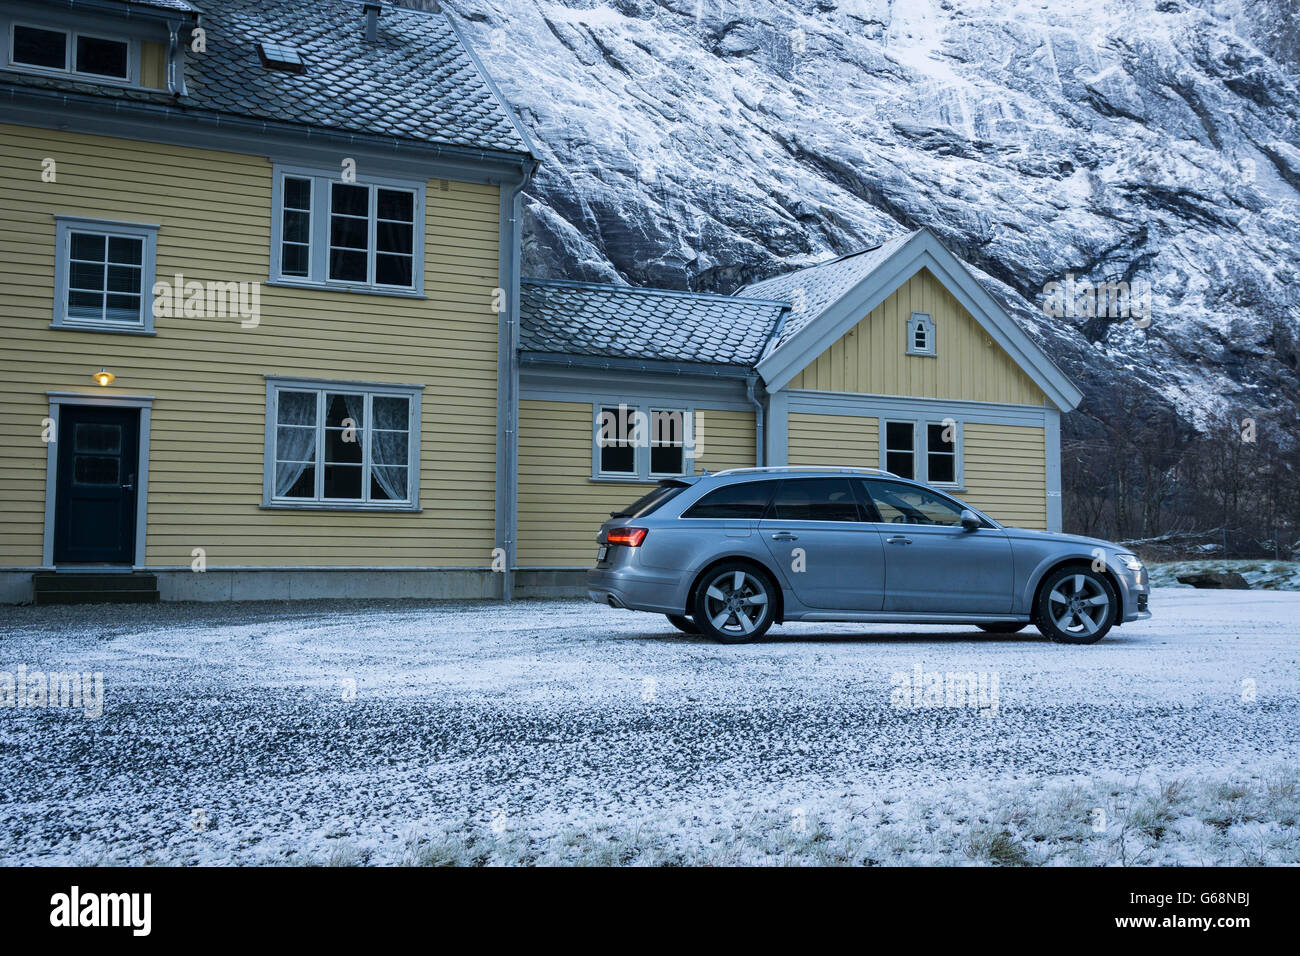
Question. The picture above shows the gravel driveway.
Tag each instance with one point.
(345, 730)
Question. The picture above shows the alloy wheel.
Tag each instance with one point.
(736, 602)
(1079, 604)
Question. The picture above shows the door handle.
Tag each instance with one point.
(898, 539)
(785, 536)
(130, 484)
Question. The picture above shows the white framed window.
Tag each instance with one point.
(341, 445)
(364, 236)
(928, 450)
(641, 442)
(103, 274)
(920, 334)
(898, 448)
(943, 453)
(668, 441)
(41, 48)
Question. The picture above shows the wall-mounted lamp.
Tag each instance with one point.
(103, 377)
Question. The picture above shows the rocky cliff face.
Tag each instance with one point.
(705, 143)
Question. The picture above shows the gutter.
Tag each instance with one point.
(153, 112)
(611, 363)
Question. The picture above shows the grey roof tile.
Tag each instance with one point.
(418, 81)
(587, 318)
(814, 289)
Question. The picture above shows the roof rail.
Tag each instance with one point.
(838, 469)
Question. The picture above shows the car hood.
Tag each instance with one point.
(1060, 538)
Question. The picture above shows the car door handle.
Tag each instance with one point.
(898, 539)
(785, 536)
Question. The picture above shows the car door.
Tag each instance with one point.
(932, 564)
(828, 554)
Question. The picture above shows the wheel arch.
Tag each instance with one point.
(1075, 561)
(778, 616)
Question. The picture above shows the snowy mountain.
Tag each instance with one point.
(703, 144)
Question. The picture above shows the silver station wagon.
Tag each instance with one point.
(728, 555)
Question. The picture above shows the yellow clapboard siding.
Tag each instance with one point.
(845, 440)
(872, 356)
(561, 508)
(207, 375)
(1006, 472)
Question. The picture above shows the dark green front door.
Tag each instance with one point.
(95, 508)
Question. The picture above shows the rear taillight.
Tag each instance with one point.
(632, 537)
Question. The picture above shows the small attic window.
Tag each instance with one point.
(920, 334)
(278, 56)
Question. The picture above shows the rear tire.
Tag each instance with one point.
(1003, 627)
(735, 603)
(1076, 605)
(682, 623)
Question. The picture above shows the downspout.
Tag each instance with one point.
(750, 381)
(508, 381)
(175, 59)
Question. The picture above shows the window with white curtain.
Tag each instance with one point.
(342, 445)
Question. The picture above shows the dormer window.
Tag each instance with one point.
(67, 51)
(920, 334)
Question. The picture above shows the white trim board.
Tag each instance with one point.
(921, 251)
(813, 402)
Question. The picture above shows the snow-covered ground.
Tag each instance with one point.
(562, 731)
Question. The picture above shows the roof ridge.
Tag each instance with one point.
(648, 290)
(493, 90)
(829, 262)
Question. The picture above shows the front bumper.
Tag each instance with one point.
(1137, 595)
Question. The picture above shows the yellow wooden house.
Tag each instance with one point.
(263, 340)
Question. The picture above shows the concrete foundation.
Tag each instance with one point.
(301, 585)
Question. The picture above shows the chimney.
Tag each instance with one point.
(372, 20)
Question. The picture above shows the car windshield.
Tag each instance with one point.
(651, 501)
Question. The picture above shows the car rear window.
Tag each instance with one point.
(652, 501)
(745, 500)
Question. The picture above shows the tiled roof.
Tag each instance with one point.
(814, 289)
(587, 318)
(179, 5)
(418, 81)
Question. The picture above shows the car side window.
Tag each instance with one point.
(744, 500)
(900, 503)
(815, 499)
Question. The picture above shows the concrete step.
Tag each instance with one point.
(59, 581)
(52, 587)
(96, 597)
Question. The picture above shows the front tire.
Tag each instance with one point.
(735, 603)
(684, 624)
(1076, 605)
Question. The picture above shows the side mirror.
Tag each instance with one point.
(970, 521)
